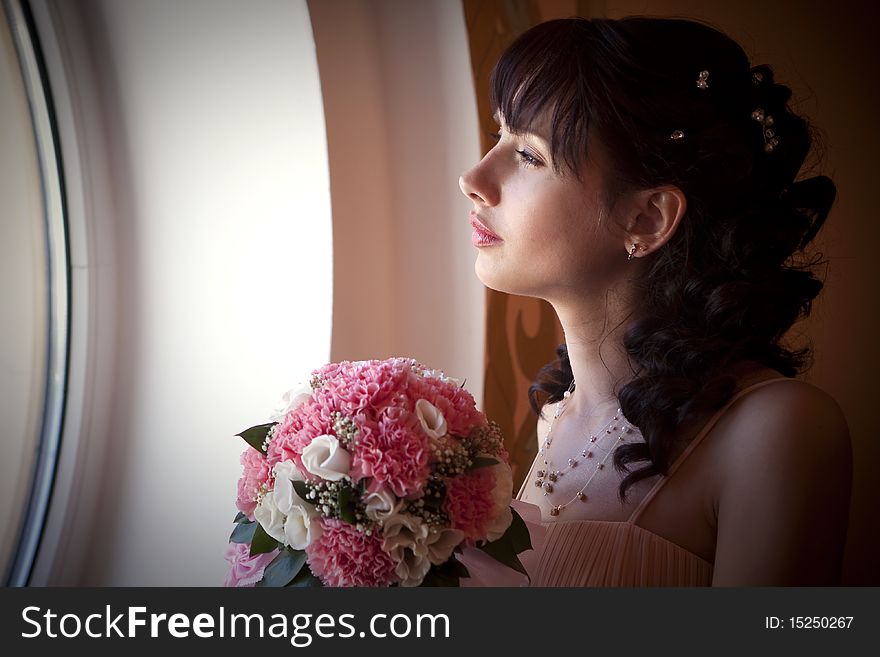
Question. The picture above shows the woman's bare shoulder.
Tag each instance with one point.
(783, 417)
(785, 478)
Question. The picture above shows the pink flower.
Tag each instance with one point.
(297, 429)
(255, 474)
(393, 451)
(470, 502)
(343, 556)
(246, 570)
(456, 404)
(365, 387)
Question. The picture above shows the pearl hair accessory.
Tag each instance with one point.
(703, 80)
(546, 476)
(770, 139)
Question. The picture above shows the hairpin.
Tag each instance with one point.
(676, 134)
(770, 140)
(757, 77)
(702, 82)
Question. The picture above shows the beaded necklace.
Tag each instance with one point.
(547, 476)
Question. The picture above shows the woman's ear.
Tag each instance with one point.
(654, 218)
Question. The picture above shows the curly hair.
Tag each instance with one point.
(735, 276)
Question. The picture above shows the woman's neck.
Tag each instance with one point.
(599, 362)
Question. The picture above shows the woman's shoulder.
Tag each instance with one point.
(774, 418)
(785, 474)
(772, 409)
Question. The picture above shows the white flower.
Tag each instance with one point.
(291, 400)
(302, 524)
(326, 459)
(441, 543)
(431, 418)
(404, 540)
(381, 505)
(285, 495)
(414, 546)
(270, 517)
(502, 495)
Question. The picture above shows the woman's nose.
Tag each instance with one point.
(477, 186)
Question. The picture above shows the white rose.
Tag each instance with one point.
(441, 543)
(404, 540)
(292, 400)
(270, 517)
(284, 493)
(501, 498)
(431, 418)
(302, 526)
(326, 459)
(381, 505)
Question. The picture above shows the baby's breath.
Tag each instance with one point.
(270, 434)
(487, 439)
(429, 507)
(344, 428)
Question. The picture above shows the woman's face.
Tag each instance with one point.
(552, 235)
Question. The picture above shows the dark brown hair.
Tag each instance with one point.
(734, 278)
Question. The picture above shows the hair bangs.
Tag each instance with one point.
(541, 77)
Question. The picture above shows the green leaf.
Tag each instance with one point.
(256, 436)
(262, 542)
(503, 550)
(305, 579)
(346, 505)
(283, 568)
(241, 518)
(433, 578)
(482, 462)
(301, 489)
(243, 532)
(519, 533)
(446, 574)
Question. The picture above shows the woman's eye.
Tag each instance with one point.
(528, 160)
(494, 136)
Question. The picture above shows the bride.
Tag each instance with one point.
(643, 183)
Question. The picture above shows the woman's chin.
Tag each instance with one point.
(496, 280)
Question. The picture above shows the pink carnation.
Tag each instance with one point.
(343, 556)
(297, 429)
(255, 474)
(456, 404)
(246, 570)
(470, 502)
(366, 387)
(394, 452)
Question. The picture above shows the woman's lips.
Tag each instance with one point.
(482, 236)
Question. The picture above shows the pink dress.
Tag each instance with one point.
(621, 553)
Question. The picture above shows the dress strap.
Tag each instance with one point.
(697, 440)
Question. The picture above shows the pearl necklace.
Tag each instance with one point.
(546, 477)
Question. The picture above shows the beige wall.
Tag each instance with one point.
(401, 126)
(827, 53)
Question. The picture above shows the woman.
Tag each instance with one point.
(643, 183)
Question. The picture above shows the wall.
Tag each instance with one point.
(401, 126)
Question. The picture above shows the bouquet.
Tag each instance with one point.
(375, 473)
